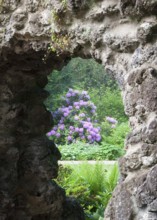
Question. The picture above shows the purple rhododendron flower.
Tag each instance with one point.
(71, 132)
(77, 107)
(65, 114)
(88, 119)
(61, 121)
(53, 132)
(69, 138)
(67, 101)
(85, 125)
(64, 109)
(92, 133)
(70, 90)
(58, 135)
(89, 137)
(70, 107)
(81, 101)
(89, 129)
(62, 127)
(68, 95)
(92, 111)
(98, 139)
(76, 103)
(49, 134)
(82, 115)
(76, 129)
(81, 130)
(76, 118)
(111, 120)
(71, 128)
(55, 128)
(87, 97)
(90, 124)
(94, 107)
(84, 93)
(84, 103)
(96, 130)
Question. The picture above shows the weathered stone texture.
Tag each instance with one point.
(120, 34)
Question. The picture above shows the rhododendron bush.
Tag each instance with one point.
(75, 120)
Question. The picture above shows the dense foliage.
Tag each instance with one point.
(90, 116)
(111, 147)
(115, 136)
(92, 185)
(109, 103)
(85, 151)
(90, 124)
(87, 75)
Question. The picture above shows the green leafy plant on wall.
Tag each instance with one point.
(1, 4)
(64, 3)
(55, 16)
(58, 13)
(59, 42)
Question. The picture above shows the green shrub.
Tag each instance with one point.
(79, 151)
(117, 135)
(84, 151)
(109, 152)
(92, 185)
(109, 103)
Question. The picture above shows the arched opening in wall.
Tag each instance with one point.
(89, 125)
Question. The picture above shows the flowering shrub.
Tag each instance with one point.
(75, 120)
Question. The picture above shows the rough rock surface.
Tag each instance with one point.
(120, 34)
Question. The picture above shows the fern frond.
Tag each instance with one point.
(111, 178)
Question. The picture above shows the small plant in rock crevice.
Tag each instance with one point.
(57, 14)
(59, 43)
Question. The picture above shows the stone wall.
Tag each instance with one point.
(122, 35)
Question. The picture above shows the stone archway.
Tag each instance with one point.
(122, 36)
